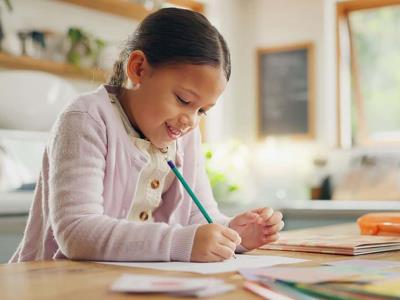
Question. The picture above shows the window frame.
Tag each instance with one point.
(346, 69)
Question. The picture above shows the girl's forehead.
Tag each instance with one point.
(198, 77)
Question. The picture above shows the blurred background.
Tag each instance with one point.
(309, 123)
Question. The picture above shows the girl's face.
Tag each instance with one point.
(170, 101)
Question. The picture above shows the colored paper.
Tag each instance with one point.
(306, 274)
(366, 263)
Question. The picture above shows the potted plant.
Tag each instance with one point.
(9, 7)
(83, 49)
(222, 184)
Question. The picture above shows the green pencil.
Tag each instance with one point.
(190, 192)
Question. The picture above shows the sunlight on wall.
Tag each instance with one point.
(274, 170)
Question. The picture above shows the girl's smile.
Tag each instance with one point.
(173, 133)
(169, 100)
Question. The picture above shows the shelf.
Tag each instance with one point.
(130, 9)
(62, 69)
(191, 4)
(116, 7)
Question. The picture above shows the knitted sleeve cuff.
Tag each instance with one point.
(182, 243)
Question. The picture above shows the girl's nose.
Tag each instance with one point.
(188, 120)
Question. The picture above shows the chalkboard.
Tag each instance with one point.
(285, 91)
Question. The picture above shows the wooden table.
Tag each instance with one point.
(72, 280)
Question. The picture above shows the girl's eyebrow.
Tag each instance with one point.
(191, 92)
(196, 95)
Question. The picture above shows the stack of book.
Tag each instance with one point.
(335, 244)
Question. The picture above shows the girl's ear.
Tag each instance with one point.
(136, 66)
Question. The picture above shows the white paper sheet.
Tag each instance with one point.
(231, 265)
(170, 285)
(161, 284)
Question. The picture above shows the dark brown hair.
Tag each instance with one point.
(174, 36)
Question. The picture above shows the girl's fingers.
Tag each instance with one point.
(274, 219)
(270, 238)
(231, 235)
(250, 216)
(228, 243)
(223, 252)
(246, 218)
(213, 257)
(264, 212)
(272, 229)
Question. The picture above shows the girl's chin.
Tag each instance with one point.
(161, 144)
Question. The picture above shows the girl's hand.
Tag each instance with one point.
(214, 242)
(257, 227)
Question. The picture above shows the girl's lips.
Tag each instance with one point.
(173, 133)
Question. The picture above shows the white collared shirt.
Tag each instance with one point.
(156, 176)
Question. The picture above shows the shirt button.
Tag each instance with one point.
(143, 216)
(155, 184)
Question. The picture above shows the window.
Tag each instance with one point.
(368, 71)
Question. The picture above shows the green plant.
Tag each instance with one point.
(221, 183)
(83, 45)
(8, 4)
(216, 176)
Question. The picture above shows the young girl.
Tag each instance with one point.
(105, 191)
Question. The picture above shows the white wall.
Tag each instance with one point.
(250, 24)
(233, 116)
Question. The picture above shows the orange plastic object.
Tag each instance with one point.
(380, 223)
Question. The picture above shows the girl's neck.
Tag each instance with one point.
(127, 98)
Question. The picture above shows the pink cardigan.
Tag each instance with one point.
(88, 180)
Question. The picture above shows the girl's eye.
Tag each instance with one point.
(181, 100)
(202, 112)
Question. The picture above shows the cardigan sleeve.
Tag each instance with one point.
(76, 173)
